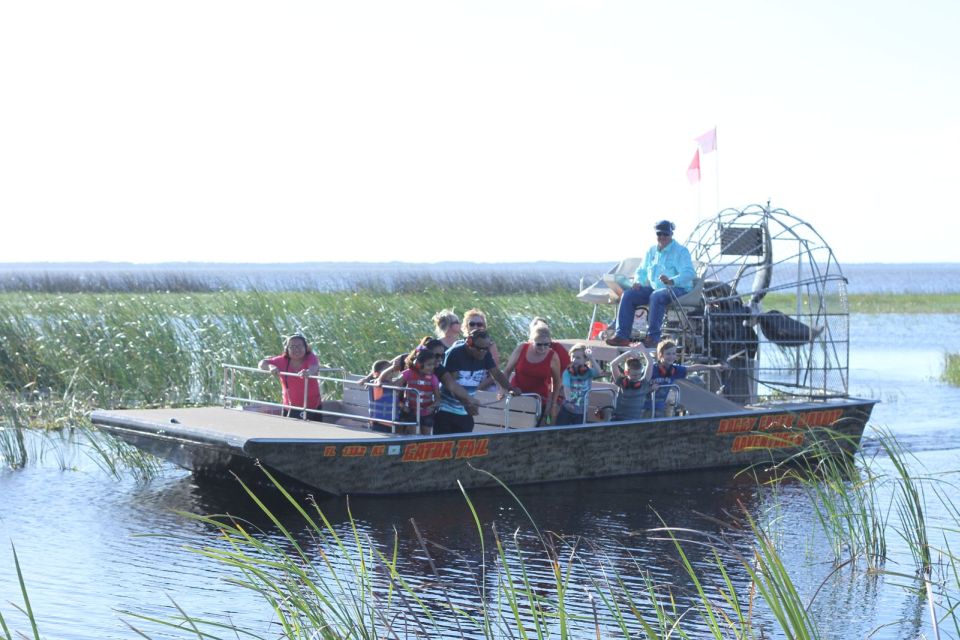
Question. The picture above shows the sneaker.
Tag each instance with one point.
(617, 341)
(650, 343)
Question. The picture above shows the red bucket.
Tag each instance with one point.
(596, 329)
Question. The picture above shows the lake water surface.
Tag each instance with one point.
(92, 547)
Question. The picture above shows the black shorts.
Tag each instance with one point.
(445, 422)
(425, 421)
(566, 417)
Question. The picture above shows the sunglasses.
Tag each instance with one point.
(477, 323)
(541, 344)
(660, 234)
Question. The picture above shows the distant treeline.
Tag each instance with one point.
(480, 277)
(399, 277)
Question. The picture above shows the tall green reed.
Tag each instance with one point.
(843, 492)
(910, 505)
(26, 609)
(13, 448)
(327, 584)
(951, 369)
(116, 350)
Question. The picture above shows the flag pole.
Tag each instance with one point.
(694, 175)
(699, 207)
(716, 169)
(707, 144)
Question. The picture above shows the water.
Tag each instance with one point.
(92, 547)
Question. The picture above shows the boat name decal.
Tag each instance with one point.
(779, 421)
(767, 441)
(416, 452)
(445, 450)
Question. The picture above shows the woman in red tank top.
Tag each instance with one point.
(536, 368)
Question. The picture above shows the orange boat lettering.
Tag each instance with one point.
(736, 425)
(473, 448)
(767, 441)
(427, 451)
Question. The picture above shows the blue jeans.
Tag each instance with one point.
(656, 302)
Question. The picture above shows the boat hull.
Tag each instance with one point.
(357, 461)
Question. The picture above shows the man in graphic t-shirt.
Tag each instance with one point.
(465, 365)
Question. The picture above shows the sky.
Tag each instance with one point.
(516, 130)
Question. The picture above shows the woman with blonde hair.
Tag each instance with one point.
(476, 320)
(536, 369)
(557, 348)
(446, 327)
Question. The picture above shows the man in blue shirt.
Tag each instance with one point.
(667, 265)
(465, 365)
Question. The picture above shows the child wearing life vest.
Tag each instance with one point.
(380, 401)
(419, 375)
(631, 374)
(577, 382)
(665, 374)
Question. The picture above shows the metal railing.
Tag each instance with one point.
(506, 407)
(653, 399)
(229, 395)
(397, 395)
(612, 405)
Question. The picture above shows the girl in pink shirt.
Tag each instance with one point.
(420, 375)
(297, 358)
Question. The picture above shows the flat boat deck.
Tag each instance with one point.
(221, 424)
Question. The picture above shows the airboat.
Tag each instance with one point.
(769, 299)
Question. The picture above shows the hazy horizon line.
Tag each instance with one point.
(301, 264)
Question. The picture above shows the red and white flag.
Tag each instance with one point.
(693, 171)
(708, 141)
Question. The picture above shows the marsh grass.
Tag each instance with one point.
(951, 369)
(13, 448)
(111, 350)
(727, 613)
(115, 350)
(483, 278)
(119, 459)
(333, 585)
(910, 506)
(26, 609)
(846, 492)
(900, 303)
(845, 500)
(319, 580)
(330, 585)
(61, 355)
